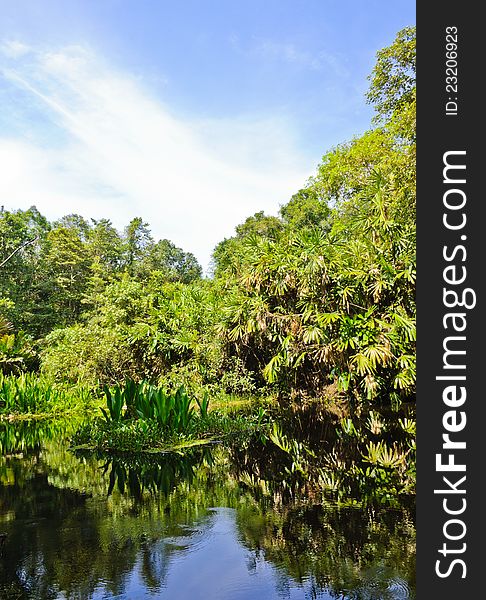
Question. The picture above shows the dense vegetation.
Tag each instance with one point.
(314, 305)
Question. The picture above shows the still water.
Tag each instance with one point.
(212, 524)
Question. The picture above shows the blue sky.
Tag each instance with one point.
(193, 115)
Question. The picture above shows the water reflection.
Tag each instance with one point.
(213, 523)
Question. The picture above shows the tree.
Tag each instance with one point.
(137, 240)
(75, 222)
(333, 307)
(105, 245)
(22, 234)
(166, 262)
(228, 253)
(261, 225)
(306, 208)
(65, 264)
(393, 76)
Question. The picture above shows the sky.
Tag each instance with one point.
(192, 115)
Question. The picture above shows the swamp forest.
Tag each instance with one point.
(243, 433)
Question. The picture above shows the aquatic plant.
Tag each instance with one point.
(114, 403)
(28, 393)
(179, 427)
(203, 405)
(172, 411)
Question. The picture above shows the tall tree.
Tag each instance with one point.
(167, 262)
(137, 240)
(65, 263)
(393, 77)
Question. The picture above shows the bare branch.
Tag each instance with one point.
(18, 250)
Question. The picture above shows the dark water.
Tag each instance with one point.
(208, 525)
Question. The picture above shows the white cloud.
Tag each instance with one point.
(97, 143)
(14, 48)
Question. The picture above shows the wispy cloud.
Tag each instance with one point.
(13, 48)
(289, 52)
(94, 140)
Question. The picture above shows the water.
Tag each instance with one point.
(203, 526)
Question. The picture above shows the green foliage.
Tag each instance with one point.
(51, 272)
(125, 435)
(21, 236)
(140, 332)
(142, 416)
(114, 403)
(137, 239)
(306, 208)
(79, 353)
(330, 301)
(180, 428)
(393, 77)
(66, 265)
(315, 310)
(203, 405)
(236, 378)
(228, 253)
(17, 353)
(27, 393)
(164, 262)
(173, 412)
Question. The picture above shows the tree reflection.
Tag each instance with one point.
(87, 525)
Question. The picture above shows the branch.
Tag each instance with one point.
(18, 250)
